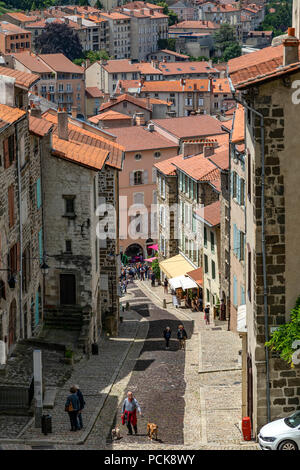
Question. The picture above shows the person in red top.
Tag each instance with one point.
(130, 405)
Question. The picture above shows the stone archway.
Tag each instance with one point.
(134, 250)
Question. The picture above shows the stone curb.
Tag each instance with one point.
(95, 415)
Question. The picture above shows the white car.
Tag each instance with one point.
(282, 434)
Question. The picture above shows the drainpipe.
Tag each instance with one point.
(263, 242)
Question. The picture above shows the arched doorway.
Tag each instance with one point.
(150, 251)
(134, 251)
(12, 323)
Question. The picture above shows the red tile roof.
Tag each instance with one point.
(80, 135)
(120, 99)
(94, 92)
(167, 51)
(195, 25)
(259, 66)
(167, 167)
(39, 126)
(198, 167)
(110, 116)
(120, 65)
(211, 213)
(221, 158)
(238, 134)
(187, 67)
(199, 84)
(23, 79)
(10, 114)
(139, 138)
(60, 63)
(31, 62)
(21, 16)
(10, 28)
(86, 155)
(220, 85)
(190, 126)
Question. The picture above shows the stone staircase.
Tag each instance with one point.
(66, 318)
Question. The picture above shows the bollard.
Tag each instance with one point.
(164, 303)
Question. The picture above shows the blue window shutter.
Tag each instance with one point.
(38, 193)
(234, 239)
(234, 290)
(243, 301)
(238, 189)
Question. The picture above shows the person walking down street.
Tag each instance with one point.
(182, 336)
(223, 310)
(146, 271)
(153, 279)
(82, 403)
(142, 271)
(72, 406)
(130, 405)
(206, 314)
(167, 335)
(166, 286)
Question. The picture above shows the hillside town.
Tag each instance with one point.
(149, 254)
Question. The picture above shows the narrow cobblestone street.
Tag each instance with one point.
(188, 394)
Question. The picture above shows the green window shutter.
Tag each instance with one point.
(38, 193)
(234, 290)
(213, 270)
(206, 263)
(205, 237)
(194, 223)
(41, 245)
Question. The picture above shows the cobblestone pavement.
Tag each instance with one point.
(195, 407)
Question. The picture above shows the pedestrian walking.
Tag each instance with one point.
(166, 286)
(206, 313)
(167, 335)
(72, 406)
(130, 405)
(153, 279)
(82, 404)
(223, 310)
(182, 336)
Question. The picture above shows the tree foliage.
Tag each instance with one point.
(155, 268)
(173, 18)
(277, 21)
(59, 38)
(226, 42)
(283, 338)
(93, 56)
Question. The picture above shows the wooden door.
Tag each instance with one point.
(67, 289)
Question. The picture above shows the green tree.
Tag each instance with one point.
(277, 21)
(155, 268)
(173, 18)
(99, 5)
(93, 56)
(59, 38)
(232, 51)
(226, 42)
(283, 338)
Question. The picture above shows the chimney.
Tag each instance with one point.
(74, 112)
(140, 119)
(148, 104)
(62, 124)
(36, 111)
(192, 147)
(208, 150)
(79, 21)
(171, 114)
(290, 48)
(67, 20)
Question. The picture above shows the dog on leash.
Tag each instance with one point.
(115, 433)
(152, 430)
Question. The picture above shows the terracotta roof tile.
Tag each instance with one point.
(39, 126)
(136, 138)
(220, 85)
(238, 134)
(110, 116)
(10, 28)
(9, 114)
(200, 84)
(60, 63)
(21, 16)
(77, 134)
(211, 213)
(31, 62)
(221, 158)
(120, 65)
(82, 154)
(201, 24)
(94, 92)
(23, 79)
(131, 99)
(191, 126)
(198, 167)
(167, 167)
(167, 51)
(187, 67)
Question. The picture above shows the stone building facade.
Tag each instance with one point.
(21, 221)
(272, 235)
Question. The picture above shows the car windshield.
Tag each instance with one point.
(294, 420)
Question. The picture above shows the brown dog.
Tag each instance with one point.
(152, 430)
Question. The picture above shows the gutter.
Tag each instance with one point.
(263, 241)
(20, 232)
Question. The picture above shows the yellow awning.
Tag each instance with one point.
(175, 266)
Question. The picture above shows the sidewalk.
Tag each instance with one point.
(95, 377)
